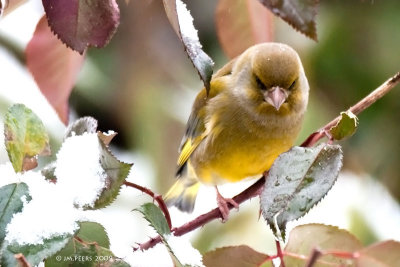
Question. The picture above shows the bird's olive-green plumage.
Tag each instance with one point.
(252, 114)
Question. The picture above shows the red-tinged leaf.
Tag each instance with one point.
(386, 253)
(182, 23)
(304, 238)
(54, 67)
(239, 256)
(80, 24)
(300, 14)
(10, 5)
(241, 24)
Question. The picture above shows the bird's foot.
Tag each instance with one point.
(223, 207)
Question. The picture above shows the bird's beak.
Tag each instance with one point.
(276, 96)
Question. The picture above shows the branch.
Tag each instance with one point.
(255, 189)
(156, 197)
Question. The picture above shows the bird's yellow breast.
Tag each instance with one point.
(241, 148)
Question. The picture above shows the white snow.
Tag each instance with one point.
(78, 169)
(186, 22)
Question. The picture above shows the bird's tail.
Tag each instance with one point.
(183, 194)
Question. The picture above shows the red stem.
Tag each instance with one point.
(156, 197)
(255, 189)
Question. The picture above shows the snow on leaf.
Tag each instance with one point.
(116, 173)
(54, 67)
(25, 136)
(34, 254)
(304, 238)
(79, 171)
(80, 24)
(346, 126)
(241, 24)
(81, 126)
(11, 203)
(90, 241)
(298, 180)
(237, 256)
(182, 23)
(300, 14)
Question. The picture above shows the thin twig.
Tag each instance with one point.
(279, 252)
(315, 254)
(255, 189)
(363, 104)
(156, 197)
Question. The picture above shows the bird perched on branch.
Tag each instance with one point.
(253, 113)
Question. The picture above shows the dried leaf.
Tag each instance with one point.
(300, 14)
(54, 67)
(80, 24)
(346, 126)
(182, 23)
(106, 137)
(239, 256)
(241, 24)
(25, 137)
(298, 180)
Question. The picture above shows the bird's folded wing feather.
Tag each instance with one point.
(195, 129)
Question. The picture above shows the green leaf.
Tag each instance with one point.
(25, 137)
(81, 126)
(89, 247)
(11, 203)
(298, 180)
(304, 238)
(178, 15)
(346, 126)
(300, 14)
(239, 256)
(34, 254)
(386, 253)
(155, 217)
(116, 171)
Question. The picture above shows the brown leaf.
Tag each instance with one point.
(80, 24)
(300, 14)
(241, 24)
(239, 256)
(54, 67)
(106, 137)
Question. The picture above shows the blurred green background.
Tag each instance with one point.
(142, 86)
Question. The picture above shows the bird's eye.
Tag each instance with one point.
(292, 85)
(260, 84)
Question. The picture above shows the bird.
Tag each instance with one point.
(252, 113)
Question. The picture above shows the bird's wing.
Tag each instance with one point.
(196, 129)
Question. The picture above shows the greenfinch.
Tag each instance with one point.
(252, 113)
